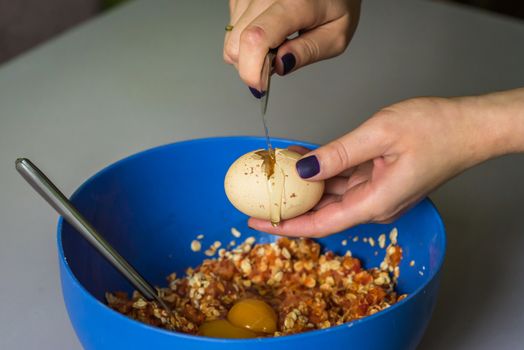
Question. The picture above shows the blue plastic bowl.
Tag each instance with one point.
(151, 205)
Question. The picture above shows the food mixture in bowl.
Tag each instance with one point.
(274, 289)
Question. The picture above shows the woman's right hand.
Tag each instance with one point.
(325, 28)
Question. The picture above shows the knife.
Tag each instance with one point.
(267, 69)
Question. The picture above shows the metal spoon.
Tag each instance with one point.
(41, 183)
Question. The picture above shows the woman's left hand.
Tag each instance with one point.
(382, 168)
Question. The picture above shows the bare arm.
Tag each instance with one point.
(379, 170)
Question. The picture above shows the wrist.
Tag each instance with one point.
(494, 123)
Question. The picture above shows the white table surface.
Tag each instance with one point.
(151, 73)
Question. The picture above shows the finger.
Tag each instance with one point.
(299, 149)
(268, 31)
(326, 41)
(327, 199)
(232, 4)
(303, 150)
(361, 174)
(245, 11)
(337, 185)
(237, 8)
(347, 172)
(367, 142)
(352, 210)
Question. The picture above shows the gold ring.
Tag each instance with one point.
(229, 28)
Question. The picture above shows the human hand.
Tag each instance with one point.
(393, 160)
(325, 28)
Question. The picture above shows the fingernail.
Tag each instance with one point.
(289, 61)
(308, 167)
(256, 93)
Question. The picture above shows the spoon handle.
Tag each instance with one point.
(267, 70)
(41, 183)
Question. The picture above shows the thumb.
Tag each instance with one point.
(362, 144)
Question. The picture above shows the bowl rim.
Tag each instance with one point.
(318, 332)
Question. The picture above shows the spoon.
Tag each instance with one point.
(41, 183)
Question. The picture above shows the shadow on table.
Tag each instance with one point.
(483, 218)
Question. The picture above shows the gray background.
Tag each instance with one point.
(151, 73)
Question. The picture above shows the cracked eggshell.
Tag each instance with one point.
(246, 186)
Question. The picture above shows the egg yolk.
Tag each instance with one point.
(246, 319)
(224, 329)
(254, 315)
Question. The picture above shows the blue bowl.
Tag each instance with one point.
(150, 206)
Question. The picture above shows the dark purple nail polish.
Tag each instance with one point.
(308, 167)
(256, 93)
(289, 61)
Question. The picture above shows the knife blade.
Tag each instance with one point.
(267, 70)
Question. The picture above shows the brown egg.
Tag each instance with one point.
(284, 195)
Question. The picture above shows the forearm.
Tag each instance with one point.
(495, 122)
